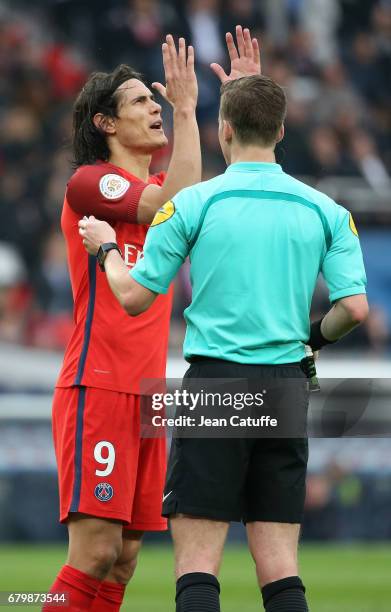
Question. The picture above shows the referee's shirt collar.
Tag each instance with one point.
(267, 167)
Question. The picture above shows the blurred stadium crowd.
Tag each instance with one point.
(332, 56)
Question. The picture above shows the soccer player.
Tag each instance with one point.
(111, 481)
(257, 239)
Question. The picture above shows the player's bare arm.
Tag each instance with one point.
(244, 55)
(132, 296)
(181, 91)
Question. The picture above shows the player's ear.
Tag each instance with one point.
(104, 123)
(281, 134)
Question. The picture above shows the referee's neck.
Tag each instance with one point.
(252, 153)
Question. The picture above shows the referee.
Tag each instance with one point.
(257, 240)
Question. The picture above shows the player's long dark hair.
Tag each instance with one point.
(99, 95)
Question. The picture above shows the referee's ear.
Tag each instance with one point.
(281, 134)
(227, 131)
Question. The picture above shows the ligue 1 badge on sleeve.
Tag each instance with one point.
(104, 491)
(352, 225)
(113, 186)
(164, 213)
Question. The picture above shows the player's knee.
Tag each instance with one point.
(123, 570)
(102, 559)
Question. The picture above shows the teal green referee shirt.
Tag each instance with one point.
(257, 240)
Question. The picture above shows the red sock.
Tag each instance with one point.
(109, 597)
(81, 589)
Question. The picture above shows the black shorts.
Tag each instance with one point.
(239, 479)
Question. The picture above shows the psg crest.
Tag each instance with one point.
(104, 491)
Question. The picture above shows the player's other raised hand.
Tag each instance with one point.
(244, 55)
(181, 89)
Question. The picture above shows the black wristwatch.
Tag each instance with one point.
(102, 253)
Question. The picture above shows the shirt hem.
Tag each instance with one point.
(263, 359)
(112, 388)
(147, 283)
(337, 295)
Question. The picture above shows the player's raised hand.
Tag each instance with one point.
(181, 89)
(95, 233)
(244, 55)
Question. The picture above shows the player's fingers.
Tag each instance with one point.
(167, 63)
(232, 51)
(190, 59)
(256, 52)
(182, 53)
(160, 89)
(248, 48)
(174, 57)
(219, 72)
(240, 40)
(172, 48)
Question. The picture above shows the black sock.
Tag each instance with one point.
(286, 595)
(197, 592)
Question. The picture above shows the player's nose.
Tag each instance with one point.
(156, 108)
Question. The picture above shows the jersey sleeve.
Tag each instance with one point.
(95, 190)
(343, 265)
(166, 247)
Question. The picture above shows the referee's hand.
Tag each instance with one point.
(95, 233)
(245, 56)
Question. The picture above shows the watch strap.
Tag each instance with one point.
(103, 250)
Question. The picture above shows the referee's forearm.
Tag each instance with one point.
(132, 296)
(344, 316)
(117, 273)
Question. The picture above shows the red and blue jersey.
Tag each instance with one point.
(108, 348)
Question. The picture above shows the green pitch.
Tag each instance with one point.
(338, 579)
